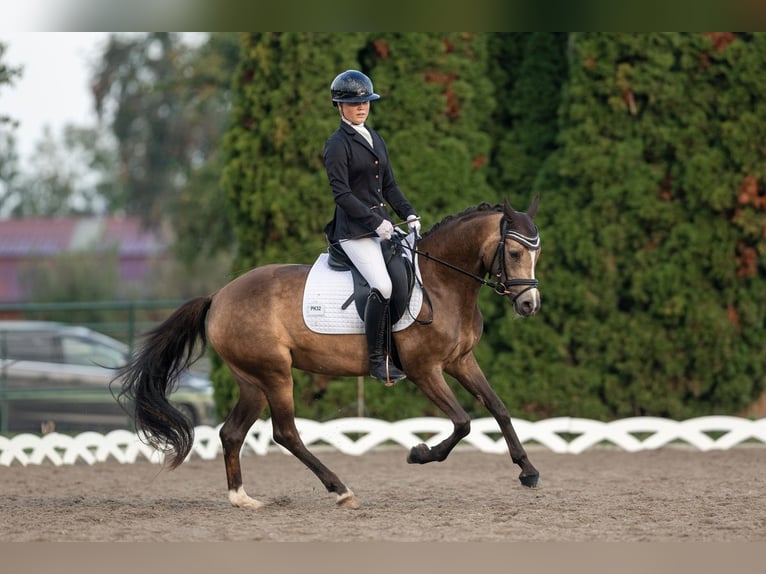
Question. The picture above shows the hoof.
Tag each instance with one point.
(531, 480)
(419, 454)
(347, 500)
(239, 499)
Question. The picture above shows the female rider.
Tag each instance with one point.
(362, 182)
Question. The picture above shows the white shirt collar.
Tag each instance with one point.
(361, 130)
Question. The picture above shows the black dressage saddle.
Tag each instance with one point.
(400, 269)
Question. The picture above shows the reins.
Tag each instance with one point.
(498, 286)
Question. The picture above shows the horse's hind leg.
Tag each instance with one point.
(233, 432)
(286, 434)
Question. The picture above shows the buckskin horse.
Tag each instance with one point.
(255, 324)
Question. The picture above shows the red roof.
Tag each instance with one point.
(35, 238)
(24, 237)
(44, 237)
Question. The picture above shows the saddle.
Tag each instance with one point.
(335, 294)
(400, 269)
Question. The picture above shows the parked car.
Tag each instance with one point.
(56, 376)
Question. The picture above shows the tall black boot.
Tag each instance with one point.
(376, 329)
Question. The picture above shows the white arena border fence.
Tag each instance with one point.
(561, 435)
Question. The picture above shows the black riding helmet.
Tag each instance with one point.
(352, 87)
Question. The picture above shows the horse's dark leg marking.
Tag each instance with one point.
(436, 389)
(470, 375)
(286, 434)
(233, 432)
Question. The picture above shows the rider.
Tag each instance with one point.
(362, 182)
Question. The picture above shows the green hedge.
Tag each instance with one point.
(648, 152)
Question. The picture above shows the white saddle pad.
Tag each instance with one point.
(327, 290)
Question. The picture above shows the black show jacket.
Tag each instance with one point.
(362, 182)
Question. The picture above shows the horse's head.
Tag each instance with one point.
(517, 253)
(508, 245)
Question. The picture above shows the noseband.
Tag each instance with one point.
(530, 242)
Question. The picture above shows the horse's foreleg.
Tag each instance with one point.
(286, 434)
(472, 378)
(438, 392)
(233, 432)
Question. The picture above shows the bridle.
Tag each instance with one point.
(530, 242)
(501, 287)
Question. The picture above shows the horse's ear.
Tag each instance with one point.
(507, 209)
(533, 206)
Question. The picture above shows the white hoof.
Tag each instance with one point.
(240, 499)
(347, 500)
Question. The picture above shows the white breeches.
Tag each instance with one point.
(366, 254)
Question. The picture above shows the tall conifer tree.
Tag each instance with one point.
(282, 116)
(647, 150)
(653, 218)
(436, 108)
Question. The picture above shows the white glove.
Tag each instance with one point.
(385, 230)
(413, 222)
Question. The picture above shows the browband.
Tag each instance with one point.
(528, 242)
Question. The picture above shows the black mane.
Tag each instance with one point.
(484, 206)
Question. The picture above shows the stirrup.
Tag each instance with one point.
(392, 373)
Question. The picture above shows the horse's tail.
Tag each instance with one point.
(152, 374)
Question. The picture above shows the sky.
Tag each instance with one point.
(53, 89)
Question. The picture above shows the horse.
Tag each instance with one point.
(255, 324)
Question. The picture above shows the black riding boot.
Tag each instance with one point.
(376, 328)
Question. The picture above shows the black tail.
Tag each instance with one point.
(152, 374)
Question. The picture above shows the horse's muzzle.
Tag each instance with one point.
(527, 301)
(528, 304)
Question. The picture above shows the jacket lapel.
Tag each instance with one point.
(359, 138)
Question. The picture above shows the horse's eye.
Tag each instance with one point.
(514, 254)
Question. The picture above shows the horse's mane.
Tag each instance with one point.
(484, 206)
